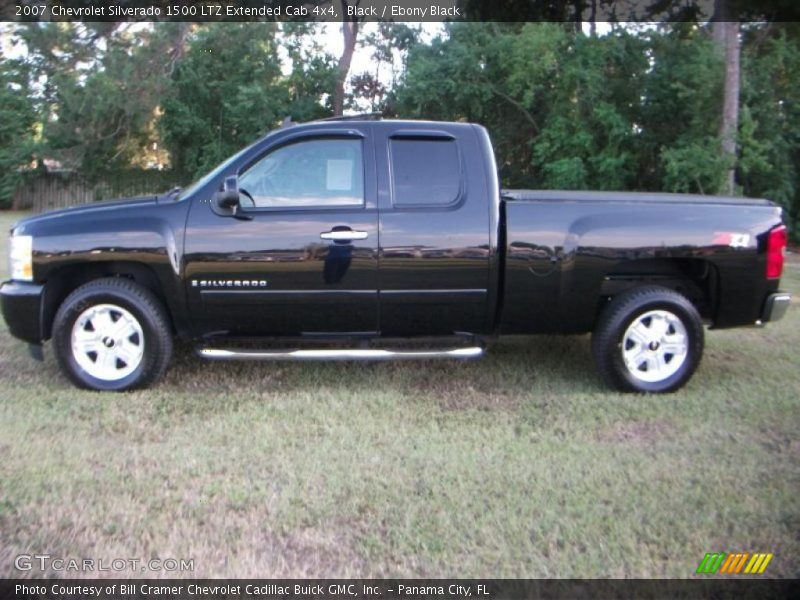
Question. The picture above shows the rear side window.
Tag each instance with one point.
(425, 172)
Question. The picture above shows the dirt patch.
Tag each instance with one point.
(308, 552)
(795, 448)
(467, 397)
(221, 542)
(638, 433)
(456, 387)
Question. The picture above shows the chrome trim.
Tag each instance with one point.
(437, 291)
(344, 236)
(273, 292)
(775, 307)
(262, 292)
(343, 354)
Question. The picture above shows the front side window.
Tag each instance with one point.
(320, 172)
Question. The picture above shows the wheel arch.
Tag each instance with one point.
(68, 278)
(695, 278)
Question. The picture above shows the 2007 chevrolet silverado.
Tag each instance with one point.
(344, 239)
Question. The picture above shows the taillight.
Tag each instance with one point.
(776, 249)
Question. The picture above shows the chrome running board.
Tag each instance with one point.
(343, 354)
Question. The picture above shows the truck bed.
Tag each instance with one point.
(515, 195)
(565, 251)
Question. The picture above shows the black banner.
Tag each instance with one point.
(396, 10)
(391, 589)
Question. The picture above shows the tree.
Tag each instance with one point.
(230, 88)
(726, 36)
(83, 77)
(227, 90)
(589, 138)
(682, 91)
(565, 119)
(462, 75)
(313, 72)
(769, 133)
(350, 25)
(390, 44)
(17, 128)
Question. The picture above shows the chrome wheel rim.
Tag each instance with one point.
(654, 346)
(107, 342)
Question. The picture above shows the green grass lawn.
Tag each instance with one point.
(518, 465)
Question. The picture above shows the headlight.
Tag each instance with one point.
(20, 257)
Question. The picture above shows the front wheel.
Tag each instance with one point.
(649, 339)
(112, 335)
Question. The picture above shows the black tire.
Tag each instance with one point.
(150, 316)
(620, 314)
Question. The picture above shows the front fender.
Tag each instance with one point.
(144, 242)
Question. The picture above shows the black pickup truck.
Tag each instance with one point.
(355, 239)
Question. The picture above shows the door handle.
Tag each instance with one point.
(344, 235)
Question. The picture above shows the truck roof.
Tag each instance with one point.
(377, 118)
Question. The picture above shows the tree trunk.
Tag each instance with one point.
(178, 49)
(726, 36)
(350, 34)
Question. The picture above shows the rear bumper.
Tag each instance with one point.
(775, 307)
(21, 304)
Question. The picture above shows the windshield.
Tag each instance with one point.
(193, 187)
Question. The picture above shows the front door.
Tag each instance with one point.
(300, 257)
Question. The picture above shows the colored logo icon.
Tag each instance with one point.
(736, 563)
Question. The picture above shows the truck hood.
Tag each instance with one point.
(87, 209)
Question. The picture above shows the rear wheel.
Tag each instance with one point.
(649, 339)
(112, 335)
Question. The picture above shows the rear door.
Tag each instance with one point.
(434, 253)
(302, 256)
